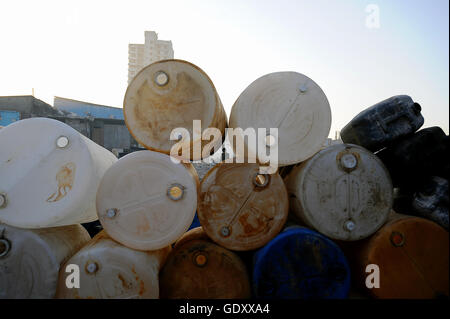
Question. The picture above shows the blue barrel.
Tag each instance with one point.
(302, 264)
(195, 222)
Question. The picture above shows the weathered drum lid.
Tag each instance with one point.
(49, 174)
(171, 94)
(109, 270)
(344, 192)
(300, 263)
(146, 202)
(291, 102)
(412, 255)
(200, 269)
(241, 209)
(30, 260)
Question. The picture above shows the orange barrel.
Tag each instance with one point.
(109, 270)
(241, 209)
(199, 269)
(172, 94)
(412, 255)
(344, 192)
(291, 102)
(30, 260)
(146, 202)
(49, 174)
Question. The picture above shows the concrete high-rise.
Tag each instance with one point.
(141, 55)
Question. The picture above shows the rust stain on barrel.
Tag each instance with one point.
(65, 178)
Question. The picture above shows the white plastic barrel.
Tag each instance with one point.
(172, 94)
(30, 260)
(49, 174)
(109, 270)
(291, 102)
(344, 192)
(146, 202)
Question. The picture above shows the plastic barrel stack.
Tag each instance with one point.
(49, 178)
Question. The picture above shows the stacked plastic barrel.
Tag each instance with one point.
(309, 230)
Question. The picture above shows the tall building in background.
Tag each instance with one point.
(141, 55)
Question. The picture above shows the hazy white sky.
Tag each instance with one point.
(79, 49)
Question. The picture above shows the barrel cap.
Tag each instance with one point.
(145, 201)
(344, 192)
(240, 208)
(291, 102)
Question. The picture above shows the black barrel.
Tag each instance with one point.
(383, 123)
(412, 159)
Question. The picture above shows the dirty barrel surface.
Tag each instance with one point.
(241, 209)
(290, 102)
(30, 260)
(412, 256)
(146, 202)
(383, 123)
(344, 192)
(49, 174)
(300, 263)
(109, 270)
(199, 269)
(172, 94)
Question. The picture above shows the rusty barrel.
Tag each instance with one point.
(31, 259)
(172, 94)
(241, 209)
(145, 201)
(109, 270)
(300, 263)
(290, 102)
(199, 269)
(49, 174)
(344, 192)
(412, 257)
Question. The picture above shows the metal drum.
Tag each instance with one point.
(412, 257)
(300, 263)
(383, 123)
(146, 202)
(344, 192)
(30, 260)
(49, 174)
(291, 102)
(171, 94)
(200, 269)
(241, 209)
(109, 270)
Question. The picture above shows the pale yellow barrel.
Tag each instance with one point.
(109, 270)
(290, 102)
(146, 202)
(172, 94)
(344, 192)
(30, 260)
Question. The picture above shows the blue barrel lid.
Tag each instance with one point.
(301, 263)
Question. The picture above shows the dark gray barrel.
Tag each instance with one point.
(384, 122)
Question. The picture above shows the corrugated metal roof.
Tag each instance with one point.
(85, 109)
